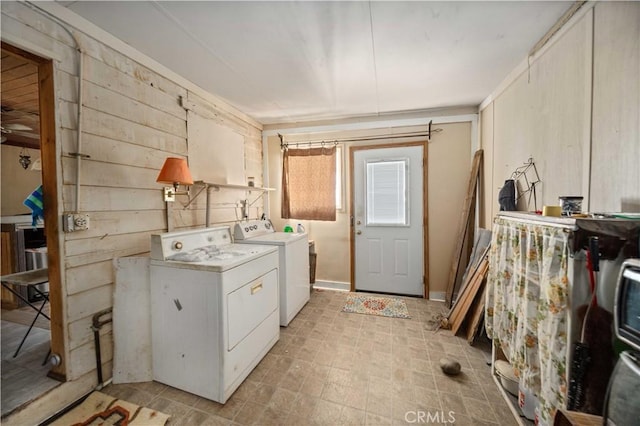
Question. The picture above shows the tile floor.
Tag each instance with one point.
(335, 368)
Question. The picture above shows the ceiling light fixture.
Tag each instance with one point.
(175, 171)
(25, 159)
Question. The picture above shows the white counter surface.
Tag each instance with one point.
(22, 220)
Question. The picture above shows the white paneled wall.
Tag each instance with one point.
(545, 112)
(616, 108)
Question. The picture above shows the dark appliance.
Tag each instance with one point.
(622, 403)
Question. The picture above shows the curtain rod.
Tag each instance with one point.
(427, 134)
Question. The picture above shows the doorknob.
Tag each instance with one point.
(358, 232)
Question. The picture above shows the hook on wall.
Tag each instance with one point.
(527, 176)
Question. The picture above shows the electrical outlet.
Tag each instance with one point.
(75, 222)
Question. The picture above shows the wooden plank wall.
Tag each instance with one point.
(132, 120)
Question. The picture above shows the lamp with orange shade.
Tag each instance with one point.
(175, 171)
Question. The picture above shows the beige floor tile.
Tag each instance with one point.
(472, 390)
(154, 388)
(335, 368)
(173, 408)
(480, 410)
(352, 417)
(379, 405)
(227, 410)
(326, 413)
(356, 397)
(304, 405)
(312, 386)
(339, 376)
(131, 394)
(379, 387)
(292, 381)
(263, 394)
(334, 392)
(405, 411)
(424, 380)
(247, 390)
(296, 420)
(503, 414)
(250, 413)
(273, 377)
(401, 374)
(324, 357)
(281, 400)
(452, 403)
(199, 418)
(272, 417)
(426, 397)
(318, 371)
(375, 420)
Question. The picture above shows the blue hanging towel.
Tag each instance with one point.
(36, 203)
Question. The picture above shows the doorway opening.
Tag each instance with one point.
(29, 162)
(389, 250)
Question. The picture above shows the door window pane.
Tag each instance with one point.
(386, 194)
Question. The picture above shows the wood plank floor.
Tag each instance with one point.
(23, 378)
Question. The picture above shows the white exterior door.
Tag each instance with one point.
(388, 220)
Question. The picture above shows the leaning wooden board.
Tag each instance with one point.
(476, 315)
(466, 224)
(459, 313)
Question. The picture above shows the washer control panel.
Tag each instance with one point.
(171, 243)
(252, 228)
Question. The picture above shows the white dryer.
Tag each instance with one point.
(214, 310)
(293, 250)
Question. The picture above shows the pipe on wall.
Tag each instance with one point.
(78, 154)
(96, 325)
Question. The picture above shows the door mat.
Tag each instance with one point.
(104, 410)
(375, 305)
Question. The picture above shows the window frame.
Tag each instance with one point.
(406, 201)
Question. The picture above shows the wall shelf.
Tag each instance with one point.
(205, 186)
(231, 186)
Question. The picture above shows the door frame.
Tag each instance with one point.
(425, 212)
(48, 155)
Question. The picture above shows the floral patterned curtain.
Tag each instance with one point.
(527, 306)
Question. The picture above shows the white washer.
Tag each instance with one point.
(294, 262)
(214, 310)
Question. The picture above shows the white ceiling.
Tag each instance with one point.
(297, 61)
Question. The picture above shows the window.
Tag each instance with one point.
(386, 197)
(309, 184)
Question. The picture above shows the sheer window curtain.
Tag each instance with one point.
(309, 184)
